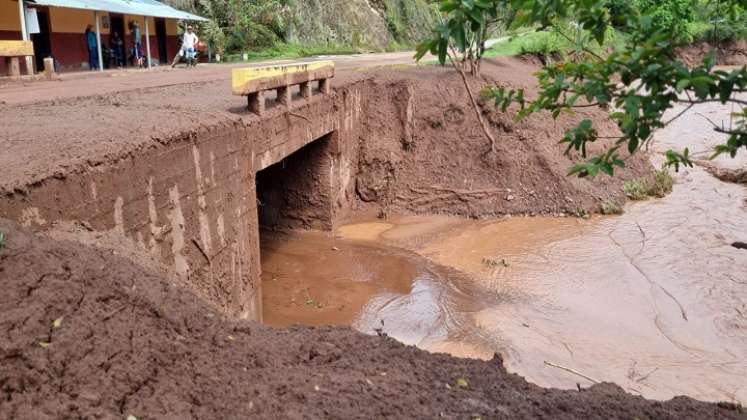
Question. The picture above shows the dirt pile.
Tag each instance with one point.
(87, 334)
(423, 150)
(732, 53)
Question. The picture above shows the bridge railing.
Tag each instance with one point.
(254, 82)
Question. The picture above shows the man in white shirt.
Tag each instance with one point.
(189, 47)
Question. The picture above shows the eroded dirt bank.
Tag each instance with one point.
(730, 53)
(88, 334)
(422, 149)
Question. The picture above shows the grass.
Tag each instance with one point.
(531, 41)
(661, 184)
(520, 43)
(636, 189)
(292, 51)
(610, 207)
(658, 185)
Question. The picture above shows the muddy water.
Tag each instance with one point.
(654, 300)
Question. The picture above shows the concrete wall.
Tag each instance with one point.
(198, 213)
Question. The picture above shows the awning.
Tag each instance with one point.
(151, 8)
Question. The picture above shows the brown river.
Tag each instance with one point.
(654, 300)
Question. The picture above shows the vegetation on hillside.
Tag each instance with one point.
(636, 81)
(268, 28)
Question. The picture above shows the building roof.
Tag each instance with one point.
(131, 7)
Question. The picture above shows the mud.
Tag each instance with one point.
(422, 150)
(311, 278)
(731, 53)
(89, 334)
(652, 300)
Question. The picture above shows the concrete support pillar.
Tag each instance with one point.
(98, 41)
(257, 102)
(284, 95)
(306, 90)
(14, 66)
(325, 86)
(147, 42)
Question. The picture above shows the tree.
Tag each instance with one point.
(636, 83)
(460, 38)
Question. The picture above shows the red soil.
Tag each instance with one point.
(87, 334)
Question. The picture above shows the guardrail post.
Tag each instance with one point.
(257, 102)
(324, 86)
(284, 95)
(306, 90)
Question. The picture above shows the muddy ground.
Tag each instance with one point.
(730, 53)
(87, 334)
(423, 150)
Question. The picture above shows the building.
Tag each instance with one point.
(57, 28)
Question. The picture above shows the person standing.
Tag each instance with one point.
(117, 49)
(138, 46)
(93, 55)
(189, 47)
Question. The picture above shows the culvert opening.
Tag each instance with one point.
(294, 192)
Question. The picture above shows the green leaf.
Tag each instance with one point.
(682, 84)
(442, 51)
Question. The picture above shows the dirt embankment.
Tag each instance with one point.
(732, 53)
(87, 334)
(423, 150)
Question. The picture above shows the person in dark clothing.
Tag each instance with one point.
(93, 55)
(117, 49)
(137, 50)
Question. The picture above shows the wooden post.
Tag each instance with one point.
(284, 95)
(306, 90)
(98, 41)
(257, 102)
(147, 40)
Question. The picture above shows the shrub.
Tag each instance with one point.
(672, 16)
(658, 185)
(636, 189)
(661, 184)
(610, 207)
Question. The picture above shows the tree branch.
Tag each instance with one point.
(472, 99)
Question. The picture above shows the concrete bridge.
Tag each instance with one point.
(185, 172)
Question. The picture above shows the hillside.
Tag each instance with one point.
(358, 24)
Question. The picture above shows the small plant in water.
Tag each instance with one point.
(661, 184)
(2, 240)
(658, 185)
(610, 207)
(494, 262)
(635, 189)
(581, 213)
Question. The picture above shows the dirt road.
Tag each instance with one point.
(92, 83)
